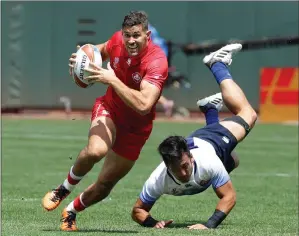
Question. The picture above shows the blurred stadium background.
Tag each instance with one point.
(37, 39)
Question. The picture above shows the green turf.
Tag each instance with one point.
(37, 154)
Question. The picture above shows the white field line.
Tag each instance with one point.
(36, 199)
(45, 136)
(253, 151)
(21, 199)
(282, 175)
(279, 175)
(79, 137)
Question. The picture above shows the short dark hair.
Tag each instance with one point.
(172, 149)
(136, 18)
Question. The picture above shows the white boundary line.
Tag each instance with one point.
(36, 199)
(58, 136)
(284, 175)
(245, 174)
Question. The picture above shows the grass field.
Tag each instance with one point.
(37, 154)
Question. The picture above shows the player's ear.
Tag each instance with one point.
(148, 33)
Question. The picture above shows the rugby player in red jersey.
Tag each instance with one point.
(121, 120)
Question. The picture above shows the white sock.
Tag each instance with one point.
(71, 208)
(68, 186)
(66, 182)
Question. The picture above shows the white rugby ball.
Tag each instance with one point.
(85, 54)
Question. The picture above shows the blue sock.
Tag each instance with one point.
(211, 116)
(220, 72)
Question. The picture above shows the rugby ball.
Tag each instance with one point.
(85, 54)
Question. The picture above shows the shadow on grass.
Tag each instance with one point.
(95, 230)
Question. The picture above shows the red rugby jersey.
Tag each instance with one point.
(150, 65)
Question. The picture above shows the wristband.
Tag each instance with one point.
(149, 222)
(215, 219)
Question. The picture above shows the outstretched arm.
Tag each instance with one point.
(141, 211)
(227, 196)
(141, 215)
(227, 201)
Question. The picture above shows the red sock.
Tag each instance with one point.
(78, 204)
(73, 179)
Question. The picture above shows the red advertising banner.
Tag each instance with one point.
(279, 94)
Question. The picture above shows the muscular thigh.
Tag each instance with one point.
(102, 129)
(114, 168)
(236, 129)
(101, 133)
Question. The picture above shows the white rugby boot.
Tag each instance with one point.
(223, 55)
(212, 102)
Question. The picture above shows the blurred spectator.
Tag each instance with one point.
(175, 78)
(167, 104)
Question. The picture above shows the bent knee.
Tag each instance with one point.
(251, 117)
(95, 152)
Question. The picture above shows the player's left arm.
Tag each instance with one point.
(151, 85)
(227, 196)
(225, 191)
(223, 187)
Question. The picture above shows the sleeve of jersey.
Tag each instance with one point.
(220, 175)
(151, 192)
(157, 72)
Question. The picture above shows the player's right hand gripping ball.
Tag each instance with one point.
(85, 54)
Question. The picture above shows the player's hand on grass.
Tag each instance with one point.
(72, 62)
(162, 224)
(99, 74)
(197, 226)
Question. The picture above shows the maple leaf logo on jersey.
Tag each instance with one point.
(136, 77)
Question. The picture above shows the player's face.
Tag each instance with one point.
(183, 170)
(135, 39)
